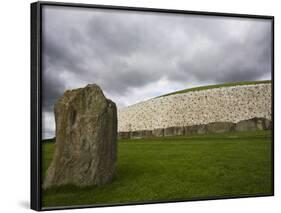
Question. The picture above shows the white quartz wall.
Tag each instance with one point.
(231, 104)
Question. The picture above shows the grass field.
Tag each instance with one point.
(217, 165)
(217, 86)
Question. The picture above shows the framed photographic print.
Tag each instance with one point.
(140, 105)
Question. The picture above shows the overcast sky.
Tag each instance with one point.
(135, 56)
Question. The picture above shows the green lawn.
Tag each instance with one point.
(217, 86)
(228, 164)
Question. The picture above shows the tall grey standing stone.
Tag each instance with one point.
(86, 139)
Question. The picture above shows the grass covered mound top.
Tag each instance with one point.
(217, 86)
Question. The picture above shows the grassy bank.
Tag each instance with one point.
(229, 164)
(218, 86)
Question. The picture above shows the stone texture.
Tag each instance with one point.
(169, 131)
(158, 132)
(226, 104)
(178, 131)
(219, 127)
(215, 127)
(260, 124)
(146, 133)
(246, 125)
(86, 137)
(267, 124)
(136, 134)
(124, 135)
(141, 134)
(253, 124)
(201, 129)
(190, 130)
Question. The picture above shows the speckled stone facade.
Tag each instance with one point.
(227, 104)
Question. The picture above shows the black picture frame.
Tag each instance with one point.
(36, 94)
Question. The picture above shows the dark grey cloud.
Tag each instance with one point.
(243, 59)
(135, 56)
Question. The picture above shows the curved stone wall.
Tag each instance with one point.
(227, 104)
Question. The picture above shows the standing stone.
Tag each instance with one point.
(86, 139)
